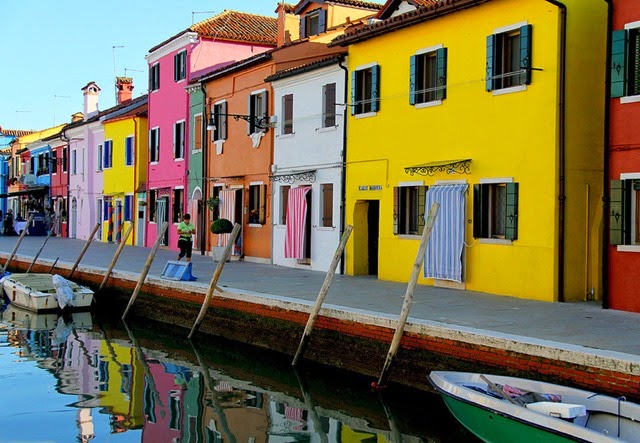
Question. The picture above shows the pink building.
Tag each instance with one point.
(225, 38)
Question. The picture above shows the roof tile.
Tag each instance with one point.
(240, 27)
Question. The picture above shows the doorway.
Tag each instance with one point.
(162, 215)
(142, 215)
(73, 219)
(373, 232)
(366, 232)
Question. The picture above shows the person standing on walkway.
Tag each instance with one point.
(186, 229)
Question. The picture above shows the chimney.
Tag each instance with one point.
(77, 117)
(124, 89)
(288, 24)
(91, 92)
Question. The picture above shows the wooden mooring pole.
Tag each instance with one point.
(408, 297)
(115, 257)
(53, 266)
(215, 278)
(147, 265)
(322, 294)
(84, 249)
(41, 248)
(17, 245)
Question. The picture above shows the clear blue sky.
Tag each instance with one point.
(50, 49)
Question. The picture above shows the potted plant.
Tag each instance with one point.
(213, 202)
(221, 226)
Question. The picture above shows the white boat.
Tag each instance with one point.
(25, 319)
(45, 292)
(508, 409)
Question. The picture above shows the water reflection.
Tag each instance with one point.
(139, 384)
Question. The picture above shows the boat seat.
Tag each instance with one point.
(560, 410)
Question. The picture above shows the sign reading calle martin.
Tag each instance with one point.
(370, 188)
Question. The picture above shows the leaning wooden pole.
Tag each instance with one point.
(53, 266)
(147, 265)
(41, 248)
(408, 297)
(214, 279)
(322, 294)
(17, 245)
(115, 257)
(84, 249)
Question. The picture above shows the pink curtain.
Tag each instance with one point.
(227, 210)
(296, 220)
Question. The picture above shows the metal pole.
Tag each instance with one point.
(408, 297)
(84, 249)
(41, 248)
(145, 271)
(115, 257)
(216, 276)
(322, 294)
(17, 245)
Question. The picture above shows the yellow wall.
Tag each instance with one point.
(511, 135)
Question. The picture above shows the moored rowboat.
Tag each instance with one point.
(45, 292)
(507, 409)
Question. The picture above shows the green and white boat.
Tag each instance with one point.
(509, 409)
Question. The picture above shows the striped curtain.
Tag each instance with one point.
(296, 220)
(227, 210)
(444, 250)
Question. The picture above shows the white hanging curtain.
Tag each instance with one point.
(227, 210)
(296, 221)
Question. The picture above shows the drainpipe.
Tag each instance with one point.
(344, 160)
(605, 175)
(205, 187)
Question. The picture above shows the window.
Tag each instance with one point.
(215, 193)
(100, 158)
(178, 204)
(64, 159)
(74, 162)
(624, 222)
(257, 109)
(326, 209)
(178, 140)
(154, 145)
(180, 66)
(219, 131)
(154, 77)
(128, 151)
(365, 87)
(495, 210)
(625, 61)
(328, 105)
(197, 132)
(128, 207)
(428, 76)
(32, 165)
(108, 153)
(284, 201)
(408, 209)
(287, 114)
(313, 23)
(152, 205)
(257, 204)
(509, 58)
(54, 162)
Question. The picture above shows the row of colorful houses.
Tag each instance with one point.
(515, 116)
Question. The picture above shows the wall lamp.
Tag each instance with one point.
(261, 123)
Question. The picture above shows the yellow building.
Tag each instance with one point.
(123, 161)
(496, 112)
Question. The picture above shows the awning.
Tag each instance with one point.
(291, 177)
(448, 166)
(30, 191)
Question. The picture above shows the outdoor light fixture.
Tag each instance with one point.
(261, 123)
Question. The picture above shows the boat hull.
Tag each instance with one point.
(42, 299)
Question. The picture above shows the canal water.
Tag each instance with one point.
(83, 378)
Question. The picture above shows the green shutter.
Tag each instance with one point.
(353, 92)
(422, 202)
(441, 73)
(478, 218)
(322, 20)
(176, 68)
(375, 88)
(616, 212)
(303, 26)
(491, 45)
(511, 223)
(396, 212)
(525, 52)
(618, 63)
(412, 80)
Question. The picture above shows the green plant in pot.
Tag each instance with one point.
(213, 202)
(221, 226)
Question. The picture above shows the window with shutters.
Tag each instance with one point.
(287, 114)
(154, 77)
(326, 205)
(180, 66)
(365, 90)
(219, 112)
(154, 145)
(624, 214)
(328, 105)
(625, 63)
(284, 201)
(74, 162)
(128, 207)
(64, 159)
(54, 162)
(108, 153)
(257, 110)
(100, 158)
(495, 210)
(428, 76)
(257, 204)
(408, 209)
(313, 23)
(178, 204)
(197, 132)
(128, 151)
(509, 59)
(178, 140)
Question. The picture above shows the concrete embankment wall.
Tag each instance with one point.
(358, 340)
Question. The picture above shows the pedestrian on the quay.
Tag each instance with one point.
(186, 229)
(8, 223)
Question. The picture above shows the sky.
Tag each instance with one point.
(51, 49)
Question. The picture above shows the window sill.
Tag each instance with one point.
(495, 241)
(408, 236)
(255, 225)
(628, 248)
(509, 90)
(178, 159)
(630, 99)
(366, 115)
(430, 104)
(327, 128)
(286, 135)
(153, 163)
(325, 228)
